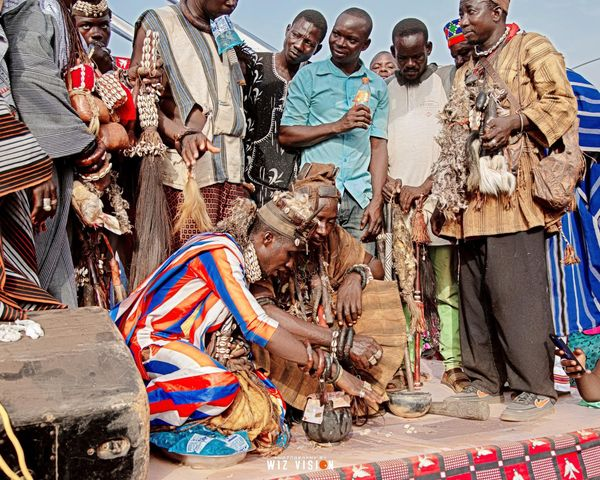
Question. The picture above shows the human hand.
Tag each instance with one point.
(349, 300)
(357, 388)
(359, 116)
(44, 203)
(391, 190)
(409, 195)
(571, 367)
(497, 132)
(437, 222)
(373, 218)
(365, 352)
(102, 57)
(193, 146)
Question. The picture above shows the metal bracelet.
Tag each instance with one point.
(338, 373)
(327, 371)
(342, 343)
(310, 360)
(321, 365)
(349, 343)
(365, 273)
(522, 122)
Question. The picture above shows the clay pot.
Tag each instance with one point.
(409, 404)
(336, 426)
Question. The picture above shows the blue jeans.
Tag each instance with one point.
(349, 217)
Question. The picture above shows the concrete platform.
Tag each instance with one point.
(392, 438)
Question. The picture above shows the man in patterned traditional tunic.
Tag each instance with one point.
(269, 167)
(201, 108)
(505, 311)
(24, 169)
(174, 319)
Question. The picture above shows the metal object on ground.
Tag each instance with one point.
(76, 400)
(336, 426)
(462, 408)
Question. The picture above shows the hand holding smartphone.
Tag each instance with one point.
(567, 353)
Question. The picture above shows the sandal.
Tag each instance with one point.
(455, 379)
(396, 384)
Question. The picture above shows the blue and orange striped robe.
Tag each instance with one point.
(192, 294)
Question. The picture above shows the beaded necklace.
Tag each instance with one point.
(494, 47)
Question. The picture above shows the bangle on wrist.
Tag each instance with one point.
(321, 364)
(310, 360)
(349, 343)
(522, 120)
(178, 138)
(327, 370)
(338, 372)
(365, 273)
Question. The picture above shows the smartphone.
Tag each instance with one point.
(568, 355)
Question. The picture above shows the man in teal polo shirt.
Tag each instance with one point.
(321, 118)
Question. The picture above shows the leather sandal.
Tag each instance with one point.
(455, 379)
(396, 384)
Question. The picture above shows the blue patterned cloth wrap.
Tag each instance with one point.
(199, 440)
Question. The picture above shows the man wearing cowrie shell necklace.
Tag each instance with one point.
(511, 101)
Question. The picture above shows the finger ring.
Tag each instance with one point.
(47, 205)
(373, 360)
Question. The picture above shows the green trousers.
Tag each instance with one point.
(445, 267)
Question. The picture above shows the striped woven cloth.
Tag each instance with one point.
(23, 165)
(166, 320)
(575, 289)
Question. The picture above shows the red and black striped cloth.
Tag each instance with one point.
(23, 165)
(573, 456)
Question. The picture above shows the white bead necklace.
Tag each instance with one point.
(492, 49)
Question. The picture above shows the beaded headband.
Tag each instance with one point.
(87, 9)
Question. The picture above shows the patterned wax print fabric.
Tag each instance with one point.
(269, 167)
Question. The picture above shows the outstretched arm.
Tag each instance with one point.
(222, 272)
(172, 126)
